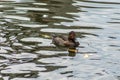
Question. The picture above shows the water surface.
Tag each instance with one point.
(26, 52)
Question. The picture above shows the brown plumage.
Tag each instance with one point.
(65, 41)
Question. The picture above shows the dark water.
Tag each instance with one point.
(26, 52)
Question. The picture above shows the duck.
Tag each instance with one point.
(65, 41)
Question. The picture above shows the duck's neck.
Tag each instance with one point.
(71, 40)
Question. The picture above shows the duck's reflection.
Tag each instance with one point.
(72, 52)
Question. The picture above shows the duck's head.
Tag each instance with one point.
(72, 36)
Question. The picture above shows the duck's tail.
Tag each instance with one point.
(54, 36)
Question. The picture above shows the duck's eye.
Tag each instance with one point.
(72, 36)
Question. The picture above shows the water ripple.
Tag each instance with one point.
(32, 9)
(26, 49)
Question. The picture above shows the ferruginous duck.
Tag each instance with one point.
(65, 41)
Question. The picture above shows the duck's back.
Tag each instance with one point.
(65, 38)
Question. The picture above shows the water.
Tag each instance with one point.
(26, 52)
